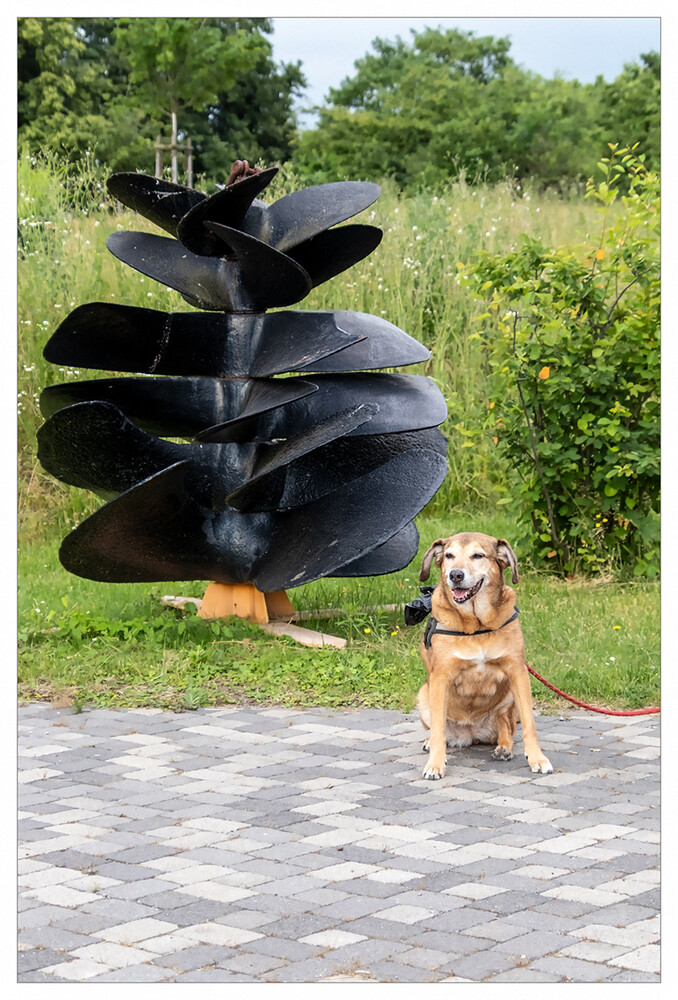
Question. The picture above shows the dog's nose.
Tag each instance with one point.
(456, 576)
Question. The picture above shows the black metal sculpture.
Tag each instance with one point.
(284, 480)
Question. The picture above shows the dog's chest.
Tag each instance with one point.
(475, 673)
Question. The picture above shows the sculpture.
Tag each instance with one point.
(284, 480)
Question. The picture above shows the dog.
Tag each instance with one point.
(478, 686)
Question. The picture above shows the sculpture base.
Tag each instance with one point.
(244, 601)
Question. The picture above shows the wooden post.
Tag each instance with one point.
(158, 156)
(244, 601)
(189, 162)
(173, 152)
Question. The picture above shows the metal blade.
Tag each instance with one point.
(157, 531)
(232, 206)
(94, 446)
(397, 553)
(131, 339)
(270, 277)
(288, 222)
(405, 402)
(383, 346)
(330, 253)
(215, 283)
(316, 473)
(303, 214)
(317, 539)
(182, 407)
(160, 201)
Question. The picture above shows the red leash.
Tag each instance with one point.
(591, 708)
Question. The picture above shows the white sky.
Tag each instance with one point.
(574, 47)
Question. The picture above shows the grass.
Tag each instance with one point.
(596, 641)
(88, 643)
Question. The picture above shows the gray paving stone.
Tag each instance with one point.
(479, 966)
(479, 933)
(37, 958)
(134, 974)
(202, 956)
(572, 970)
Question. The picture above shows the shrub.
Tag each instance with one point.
(573, 345)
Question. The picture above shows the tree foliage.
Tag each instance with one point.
(108, 86)
(450, 103)
(573, 343)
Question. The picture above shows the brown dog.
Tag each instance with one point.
(478, 686)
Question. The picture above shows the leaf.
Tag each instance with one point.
(544, 373)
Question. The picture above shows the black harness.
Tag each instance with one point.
(432, 628)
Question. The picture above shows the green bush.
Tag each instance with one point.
(573, 345)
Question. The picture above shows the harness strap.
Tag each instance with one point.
(432, 628)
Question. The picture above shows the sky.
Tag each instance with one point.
(574, 47)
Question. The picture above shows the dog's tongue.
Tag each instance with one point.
(458, 594)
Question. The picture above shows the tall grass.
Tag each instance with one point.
(411, 279)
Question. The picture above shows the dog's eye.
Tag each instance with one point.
(448, 555)
(478, 555)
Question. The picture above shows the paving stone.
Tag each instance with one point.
(358, 870)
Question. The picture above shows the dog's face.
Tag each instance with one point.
(470, 564)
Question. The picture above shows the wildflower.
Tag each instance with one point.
(367, 630)
(616, 626)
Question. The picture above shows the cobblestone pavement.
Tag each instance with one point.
(278, 845)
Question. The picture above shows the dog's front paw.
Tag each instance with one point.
(433, 771)
(539, 764)
(502, 753)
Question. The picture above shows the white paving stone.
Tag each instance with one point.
(645, 959)
(333, 939)
(344, 870)
(135, 930)
(220, 934)
(112, 955)
(403, 914)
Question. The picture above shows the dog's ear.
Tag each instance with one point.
(507, 557)
(435, 552)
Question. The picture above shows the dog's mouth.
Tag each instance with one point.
(461, 595)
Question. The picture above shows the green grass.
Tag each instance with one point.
(596, 641)
(73, 646)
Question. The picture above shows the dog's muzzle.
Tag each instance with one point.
(462, 594)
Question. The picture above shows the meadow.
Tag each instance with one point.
(88, 643)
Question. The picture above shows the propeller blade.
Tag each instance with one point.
(397, 553)
(383, 346)
(316, 473)
(405, 403)
(94, 446)
(317, 539)
(132, 339)
(233, 206)
(182, 407)
(160, 201)
(293, 460)
(303, 214)
(271, 278)
(215, 283)
(293, 219)
(157, 531)
(329, 253)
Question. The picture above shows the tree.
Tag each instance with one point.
(631, 108)
(110, 85)
(449, 102)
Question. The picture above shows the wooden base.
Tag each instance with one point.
(245, 601)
